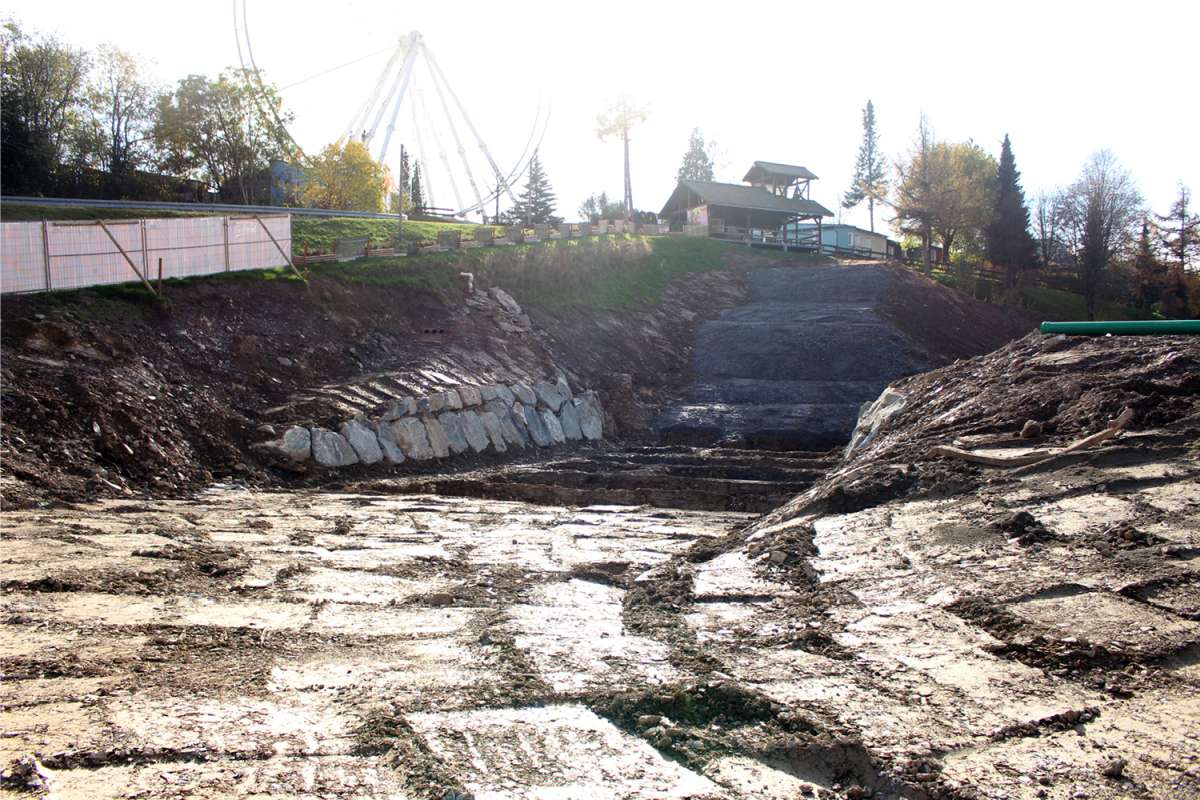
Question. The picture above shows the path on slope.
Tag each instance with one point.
(791, 369)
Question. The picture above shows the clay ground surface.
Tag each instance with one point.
(621, 622)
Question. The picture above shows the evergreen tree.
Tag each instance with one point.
(1150, 276)
(404, 183)
(1179, 231)
(697, 163)
(870, 171)
(416, 194)
(1008, 241)
(536, 203)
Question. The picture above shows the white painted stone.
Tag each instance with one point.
(412, 437)
(477, 435)
(362, 438)
(330, 449)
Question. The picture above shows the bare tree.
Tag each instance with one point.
(1046, 223)
(122, 106)
(620, 119)
(916, 202)
(1100, 212)
(1179, 230)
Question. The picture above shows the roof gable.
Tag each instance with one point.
(766, 169)
(755, 198)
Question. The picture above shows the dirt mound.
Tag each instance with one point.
(1070, 387)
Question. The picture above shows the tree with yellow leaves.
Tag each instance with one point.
(346, 178)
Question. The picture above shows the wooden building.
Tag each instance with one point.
(767, 210)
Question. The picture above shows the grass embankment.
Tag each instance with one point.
(309, 234)
(1051, 304)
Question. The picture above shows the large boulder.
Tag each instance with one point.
(456, 434)
(392, 454)
(477, 435)
(591, 416)
(548, 395)
(437, 437)
(495, 430)
(436, 402)
(564, 388)
(471, 396)
(411, 436)
(488, 393)
(399, 407)
(524, 394)
(536, 425)
(513, 433)
(553, 426)
(569, 417)
(453, 399)
(505, 395)
(294, 446)
(362, 438)
(505, 301)
(331, 449)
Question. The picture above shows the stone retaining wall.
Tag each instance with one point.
(465, 419)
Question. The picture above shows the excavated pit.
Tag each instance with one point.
(619, 620)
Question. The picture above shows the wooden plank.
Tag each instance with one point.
(129, 260)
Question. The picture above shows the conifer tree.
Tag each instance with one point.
(1150, 276)
(1179, 231)
(416, 194)
(1008, 242)
(536, 204)
(870, 171)
(697, 163)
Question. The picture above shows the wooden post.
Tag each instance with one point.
(225, 230)
(287, 256)
(820, 239)
(46, 254)
(160, 275)
(145, 250)
(129, 260)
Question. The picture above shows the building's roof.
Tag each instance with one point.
(763, 169)
(754, 198)
(836, 225)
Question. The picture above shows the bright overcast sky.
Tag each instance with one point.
(778, 81)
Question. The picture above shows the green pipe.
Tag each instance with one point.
(1138, 327)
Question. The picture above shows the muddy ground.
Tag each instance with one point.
(626, 623)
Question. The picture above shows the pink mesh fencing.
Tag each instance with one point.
(40, 256)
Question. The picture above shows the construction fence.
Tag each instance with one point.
(54, 255)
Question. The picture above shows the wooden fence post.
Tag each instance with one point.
(286, 256)
(46, 254)
(225, 232)
(129, 260)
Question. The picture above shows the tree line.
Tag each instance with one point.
(1098, 228)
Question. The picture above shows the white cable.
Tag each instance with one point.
(462, 151)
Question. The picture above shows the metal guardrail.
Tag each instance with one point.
(225, 208)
